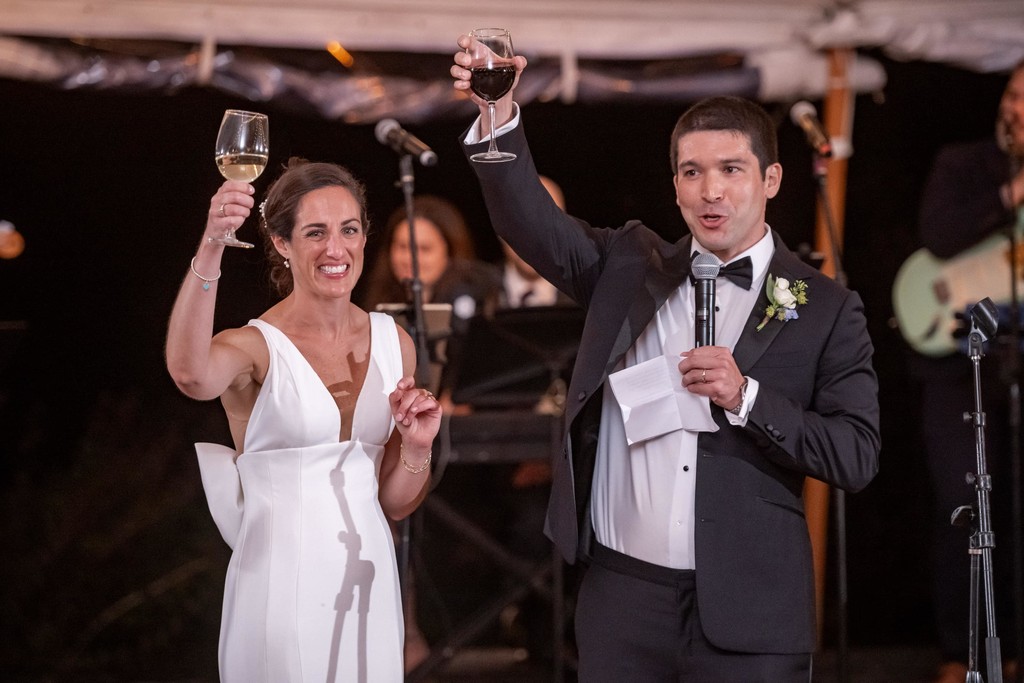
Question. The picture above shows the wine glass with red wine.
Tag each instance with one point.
(494, 72)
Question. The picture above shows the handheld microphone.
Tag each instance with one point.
(389, 132)
(705, 269)
(804, 115)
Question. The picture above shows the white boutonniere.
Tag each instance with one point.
(783, 298)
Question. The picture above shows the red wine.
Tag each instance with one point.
(492, 84)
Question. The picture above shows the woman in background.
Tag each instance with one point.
(449, 274)
(448, 268)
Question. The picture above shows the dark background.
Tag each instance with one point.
(112, 569)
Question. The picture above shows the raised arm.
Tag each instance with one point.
(203, 366)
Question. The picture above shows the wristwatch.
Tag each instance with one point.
(743, 399)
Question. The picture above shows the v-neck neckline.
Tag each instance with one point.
(320, 381)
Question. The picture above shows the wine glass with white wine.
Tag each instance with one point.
(494, 72)
(243, 146)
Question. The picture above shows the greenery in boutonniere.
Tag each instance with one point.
(783, 298)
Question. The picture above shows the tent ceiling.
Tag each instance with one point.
(616, 28)
(589, 28)
(781, 41)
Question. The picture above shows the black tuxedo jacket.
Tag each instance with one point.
(816, 412)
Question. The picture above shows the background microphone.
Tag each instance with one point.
(704, 269)
(804, 115)
(389, 132)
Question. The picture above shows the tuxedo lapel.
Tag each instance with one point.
(753, 343)
(667, 266)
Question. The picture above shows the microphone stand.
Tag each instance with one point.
(821, 177)
(419, 335)
(820, 169)
(419, 325)
(1011, 375)
(984, 323)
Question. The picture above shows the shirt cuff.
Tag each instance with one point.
(473, 137)
(748, 403)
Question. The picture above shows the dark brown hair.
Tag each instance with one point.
(730, 114)
(382, 286)
(277, 212)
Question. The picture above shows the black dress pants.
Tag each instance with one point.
(639, 622)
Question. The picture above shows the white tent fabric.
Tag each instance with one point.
(782, 40)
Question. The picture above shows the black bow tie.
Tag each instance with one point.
(740, 272)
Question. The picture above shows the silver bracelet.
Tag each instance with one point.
(206, 280)
(417, 469)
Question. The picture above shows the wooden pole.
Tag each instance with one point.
(838, 123)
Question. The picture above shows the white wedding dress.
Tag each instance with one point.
(312, 590)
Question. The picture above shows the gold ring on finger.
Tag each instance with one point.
(704, 375)
(222, 210)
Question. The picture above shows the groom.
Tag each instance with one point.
(693, 527)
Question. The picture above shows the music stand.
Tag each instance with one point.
(437, 319)
(512, 358)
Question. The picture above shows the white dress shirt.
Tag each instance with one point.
(643, 495)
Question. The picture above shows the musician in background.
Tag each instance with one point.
(450, 274)
(526, 489)
(449, 271)
(974, 190)
(522, 286)
(446, 255)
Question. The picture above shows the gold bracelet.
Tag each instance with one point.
(206, 280)
(418, 469)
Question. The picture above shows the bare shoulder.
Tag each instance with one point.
(404, 338)
(248, 346)
(243, 338)
(408, 348)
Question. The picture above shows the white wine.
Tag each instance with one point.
(247, 167)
